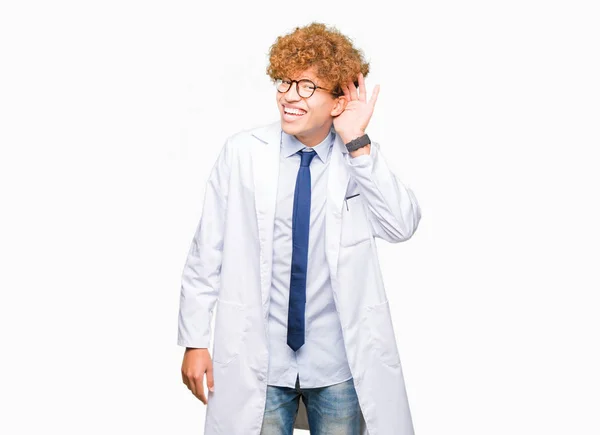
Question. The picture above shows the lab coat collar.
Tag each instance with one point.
(291, 145)
(271, 134)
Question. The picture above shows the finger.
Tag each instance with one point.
(346, 92)
(361, 87)
(210, 381)
(199, 387)
(191, 385)
(373, 99)
(185, 380)
(353, 92)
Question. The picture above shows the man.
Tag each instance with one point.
(286, 243)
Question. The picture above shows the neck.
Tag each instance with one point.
(314, 138)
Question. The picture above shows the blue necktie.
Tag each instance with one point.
(300, 228)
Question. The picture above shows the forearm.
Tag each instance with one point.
(201, 277)
(393, 210)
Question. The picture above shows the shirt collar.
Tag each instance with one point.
(290, 145)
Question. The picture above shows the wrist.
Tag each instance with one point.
(347, 137)
(359, 145)
(361, 151)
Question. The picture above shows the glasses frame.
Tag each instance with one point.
(298, 87)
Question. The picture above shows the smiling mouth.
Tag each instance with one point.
(293, 112)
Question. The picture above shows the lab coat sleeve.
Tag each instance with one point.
(392, 208)
(201, 275)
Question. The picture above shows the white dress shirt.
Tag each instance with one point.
(322, 360)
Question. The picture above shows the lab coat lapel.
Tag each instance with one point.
(265, 169)
(337, 183)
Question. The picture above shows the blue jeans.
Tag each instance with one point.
(331, 410)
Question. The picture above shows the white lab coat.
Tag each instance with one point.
(230, 260)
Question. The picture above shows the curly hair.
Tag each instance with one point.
(336, 60)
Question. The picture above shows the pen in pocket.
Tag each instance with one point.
(348, 197)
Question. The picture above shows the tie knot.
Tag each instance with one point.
(306, 157)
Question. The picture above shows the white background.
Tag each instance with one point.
(112, 114)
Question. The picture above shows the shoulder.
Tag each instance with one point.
(260, 134)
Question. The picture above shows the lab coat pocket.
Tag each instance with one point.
(230, 329)
(382, 335)
(355, 226)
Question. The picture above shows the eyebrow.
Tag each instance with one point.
(302, 78)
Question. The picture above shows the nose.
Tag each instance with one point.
(292, 93)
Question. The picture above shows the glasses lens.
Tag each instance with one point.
(306, 88)
(282, 85)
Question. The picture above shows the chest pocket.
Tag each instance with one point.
(355, 224)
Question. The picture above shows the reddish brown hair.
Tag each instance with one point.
(335, 59)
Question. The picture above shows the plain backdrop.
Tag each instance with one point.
(112, 114)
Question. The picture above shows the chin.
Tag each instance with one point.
(290, 129)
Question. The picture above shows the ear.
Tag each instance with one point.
(339, 106)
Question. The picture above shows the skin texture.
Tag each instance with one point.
(329, 59)
(196, 362)
(349, 113)
(320, 109)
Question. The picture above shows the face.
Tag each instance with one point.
(309, 119)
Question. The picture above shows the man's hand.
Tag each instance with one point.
(353, 121)
(195, 363)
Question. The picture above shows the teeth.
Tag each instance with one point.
(294, 111)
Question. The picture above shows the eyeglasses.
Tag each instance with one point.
(304, 87)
